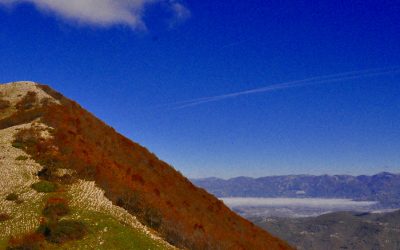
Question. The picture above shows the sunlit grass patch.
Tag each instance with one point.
(106, 232)
(44, 187)
(17, 144)
(22, 158)
(3, 243)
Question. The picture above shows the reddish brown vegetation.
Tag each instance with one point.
(4, 104)
(21, 117)
(52, 228)
(33, 241)
(4, 217)
(137, 180)
(55, 208)
(28, 109)
(27, 102)
(60, 231)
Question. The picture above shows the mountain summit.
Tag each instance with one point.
(71, 181)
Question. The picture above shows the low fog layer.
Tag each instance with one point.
(297, 202)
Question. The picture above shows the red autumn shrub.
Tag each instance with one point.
(4, 104)
(28, 101)
(4, 217)
(56, 208)
(32, 241)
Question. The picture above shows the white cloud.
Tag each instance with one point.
(180, 12)
(104, 12)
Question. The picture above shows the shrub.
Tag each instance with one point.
(31, 241)
(21, 117)
(131, 201)
(22, 158)
(24, 246)
(26, 138)
(12, 197)
(28, 101)
(17, 144)
(174, 236)
(46, 101)
(52, 174)
(88, 173)
(4, 104)
(63, 231)
(56, 95)
(45, 173)
(153, 218)
(44, 187)
(4, 217)
(55, 208)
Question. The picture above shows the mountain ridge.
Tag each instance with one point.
(291, 175)
(380, 187)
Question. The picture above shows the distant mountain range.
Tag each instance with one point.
(340, 230)
(337, 230)
(383, 187)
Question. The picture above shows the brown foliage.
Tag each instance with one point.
(51, 92)
(4, 217)
(62, 231)
(27, 111)
(56, 208)
(12, 197)
(137, 180)
(4, 104)
(33, 241)
(21, 117)
(52, 228)
(27, 102)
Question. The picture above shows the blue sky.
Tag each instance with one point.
(131, 63)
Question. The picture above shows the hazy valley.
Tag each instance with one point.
(318, 212)
(340, 230)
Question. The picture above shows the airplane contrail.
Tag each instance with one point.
(290, 84)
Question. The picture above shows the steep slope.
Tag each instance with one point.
(72, 141)
(23, 204)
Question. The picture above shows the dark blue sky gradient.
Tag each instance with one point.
(125, 76)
